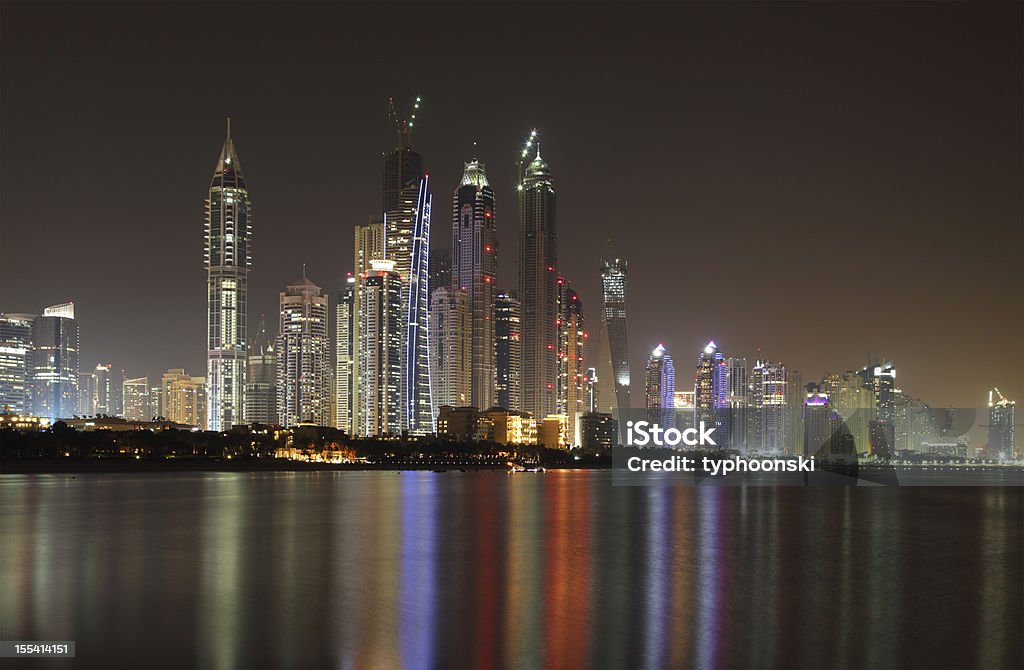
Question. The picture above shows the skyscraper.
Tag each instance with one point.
(380, 350)
(228, 231)
(710, 389)
(508, 351)
(572, 371)
(538, 286)
(103, 387)
(613, 354)
(737, 399)
(136, 399)
(474, 264)
(261, 381)
(301, 356)
(15, 362)
(451, 348)
(660, 390)
(1001, 426)
(769, 390)
(369, 246)
(344, 355)
(406, 205)
(186, 400)
(54, 376)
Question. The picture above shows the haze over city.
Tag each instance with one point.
(775, 188)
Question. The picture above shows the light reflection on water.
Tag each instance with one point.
(482, 569)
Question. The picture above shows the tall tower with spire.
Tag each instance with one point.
(538, 283)
(474, 265)
(228, 231)
(407, 243)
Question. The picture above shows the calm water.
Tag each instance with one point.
(476, 570)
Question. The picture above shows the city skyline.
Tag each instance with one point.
(910, 226)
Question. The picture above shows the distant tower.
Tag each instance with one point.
(451, 348)
(406, 204)
(613, 354)
(136, 399)
(737, 399)
(369, 246)
(508, 351)
(439, 271)
(228, 231)
(538, 287)
(55, 349)
(261, 381)
(301, 356)
(1001, 426)
(16, 362)
(380, 350)
(770, 392)
(661, 388)
(474, 264)
(345, 318)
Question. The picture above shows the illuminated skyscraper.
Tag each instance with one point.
(261, 381)
(136, 399)
(613, 354)
(440, 271)
(710, 388)
(769, 389)
(345, 318)
(228, 230)
(103, 387)
(15, 362)
(369, 246)
(186, 400)
(474, 264)
(660, 390)
(572, 371)
(880, 378)
(301, 356)
(538, 287)
(737, 399)
(1001, 424)
(451, 348)
(54, 375)
(407, 237)
(508, 351)
(380, 350)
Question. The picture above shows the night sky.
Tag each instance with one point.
(814, 182)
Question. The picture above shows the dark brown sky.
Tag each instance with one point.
(814, 181)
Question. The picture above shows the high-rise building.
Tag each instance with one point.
(613, 354)
(136, 399)
(186, 400)
(737, 400)
(406, 206)
(155, 398)
(261, 381)
(369, 246)
(572, 346)
(104, 388)
(770, 405)
(710, 389)
(301, 356)
(538, 284)
(508, 351)
(1001, 420)
(15, 362)
(345, 318)
(87, 393)
(474, 267)
(228, 259)
(660, 393)
(880, 378)
(439, 271)
(854, 401)
(451, 348)
(380, 350)
(823, 432)
(54, 375)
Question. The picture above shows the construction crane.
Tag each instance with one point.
(403, 126)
